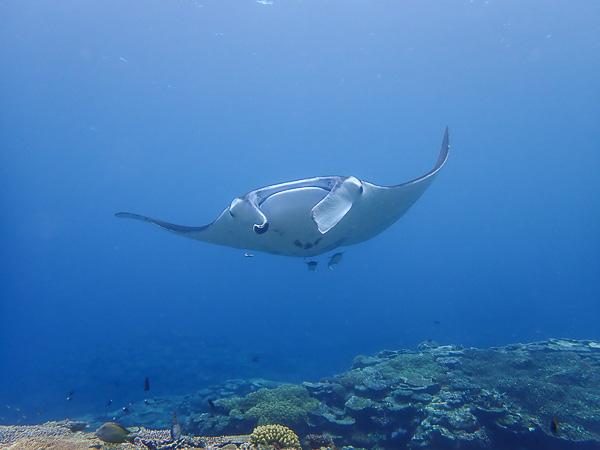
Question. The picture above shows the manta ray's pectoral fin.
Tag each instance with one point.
(179, 229)
(329, 211)
(443, 156)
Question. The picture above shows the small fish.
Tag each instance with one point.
(114, 433)
(255, 359)
(335, 259)
(147, 384)
(248, 255)
(175, 429)
(210, 403)
(109, 402)
(146, 402)
(125, 409)
(312, 266)
(437, 322)
(554, 426)
(69, 399)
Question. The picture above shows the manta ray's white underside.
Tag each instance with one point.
(308, 217)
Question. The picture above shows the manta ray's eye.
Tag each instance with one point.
(360, 190)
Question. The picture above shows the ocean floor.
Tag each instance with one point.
(537, 395)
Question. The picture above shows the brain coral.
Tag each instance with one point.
(275, 435)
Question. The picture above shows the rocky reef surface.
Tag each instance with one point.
(538, 395)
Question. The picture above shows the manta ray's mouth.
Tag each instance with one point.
(261, 199)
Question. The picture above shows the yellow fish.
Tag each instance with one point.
(114, 433)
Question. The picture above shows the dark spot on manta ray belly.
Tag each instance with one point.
(308, 245)
(340, 243)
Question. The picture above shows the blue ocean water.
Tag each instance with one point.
(174, 108)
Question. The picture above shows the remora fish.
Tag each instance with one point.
(335, 259)
(312, 266)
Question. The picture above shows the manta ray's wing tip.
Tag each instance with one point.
(180, 229)
(443, 156)
(126, 215)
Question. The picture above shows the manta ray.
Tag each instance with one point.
(308, 217)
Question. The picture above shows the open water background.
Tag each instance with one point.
(173, 108)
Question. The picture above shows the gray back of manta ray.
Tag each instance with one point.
(308, 217)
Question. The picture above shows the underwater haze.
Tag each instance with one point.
(173, 108)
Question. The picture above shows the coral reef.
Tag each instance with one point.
(538, 395)
(450, 397)
(68, 435)
(276, 436)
